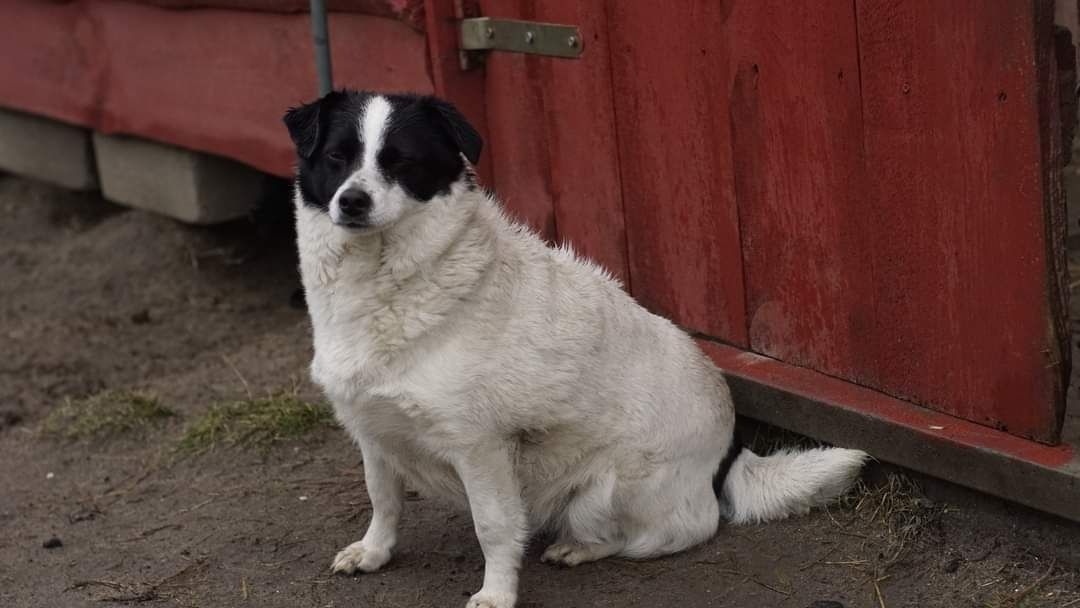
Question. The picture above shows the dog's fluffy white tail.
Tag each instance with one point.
(761, 488)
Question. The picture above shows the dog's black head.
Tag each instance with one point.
(368, 159)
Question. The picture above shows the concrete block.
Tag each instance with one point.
(193, 187)
(47, 150)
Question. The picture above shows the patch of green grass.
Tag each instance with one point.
(106, 414)
(257, 422)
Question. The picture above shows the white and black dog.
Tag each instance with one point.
(471, 361)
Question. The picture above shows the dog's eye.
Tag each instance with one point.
(392, 158)
(335, 157)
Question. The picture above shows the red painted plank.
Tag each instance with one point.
(956, 213)
(670, 80)
(552, 133)
(222, 80)
(49, 63)
(841, 413)
(583, 155)
(518, 141)
(220, 85)
(410, 12)
(797, 138)
(845, 395)
(1056, 81)
(464, 88)
(518, 136)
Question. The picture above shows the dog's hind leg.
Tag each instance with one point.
(572, 553)
(672, 509)
(588, 528)
(387, 492)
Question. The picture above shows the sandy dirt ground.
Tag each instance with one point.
(95, 298)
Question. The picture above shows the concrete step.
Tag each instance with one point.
(190, 186)
(47, 150)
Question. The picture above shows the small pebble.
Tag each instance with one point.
(52, 543)
(302, 498)
(50, 475)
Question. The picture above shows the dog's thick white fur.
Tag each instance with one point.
(470, 360)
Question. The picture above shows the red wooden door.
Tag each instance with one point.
(671, 74)
(868, 189)
(549, 126)
(962, 191)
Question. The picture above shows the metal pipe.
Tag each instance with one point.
(320, 37)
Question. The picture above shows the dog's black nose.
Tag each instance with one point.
(354, 203)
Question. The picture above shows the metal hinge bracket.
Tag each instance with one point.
(514, 36)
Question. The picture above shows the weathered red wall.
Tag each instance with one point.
(210, 80)
(550, 129)
(52, 64)
(670, 78)
(956, 211)
(409, 11)
(866, 189)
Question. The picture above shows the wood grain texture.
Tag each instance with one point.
(103, 65)
(518, 136)
(1055, 60)
(957, 211)
(464, 88)
(796, 130)
(866, 189)
(190, 93)
(53, 65)
(553, 135)
(583, 155)
(670, 75)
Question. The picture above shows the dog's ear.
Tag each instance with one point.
(305, 124)
(455, 125)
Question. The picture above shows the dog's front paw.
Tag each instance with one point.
(360, 556)
(487, 599)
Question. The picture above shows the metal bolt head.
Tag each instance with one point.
(572, 42)
(490, 31)
(530, 37)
